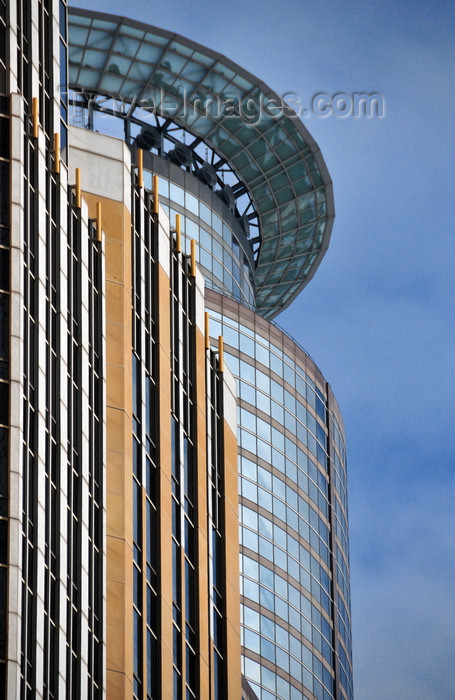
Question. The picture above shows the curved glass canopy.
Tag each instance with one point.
(235, 114)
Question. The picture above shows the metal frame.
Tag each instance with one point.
(180, 83)
(88, 104)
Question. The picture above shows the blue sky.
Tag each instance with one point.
(378, 316)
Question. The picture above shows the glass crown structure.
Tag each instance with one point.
(245, 122)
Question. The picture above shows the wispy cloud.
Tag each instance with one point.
(403, 572)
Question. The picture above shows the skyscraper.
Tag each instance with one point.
(173, 517)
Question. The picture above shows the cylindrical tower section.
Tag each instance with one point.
(223, 253)
(294, 557)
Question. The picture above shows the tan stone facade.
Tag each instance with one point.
(120, 664)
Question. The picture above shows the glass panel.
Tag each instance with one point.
(193, 72)
(149, 54)
(99, 39)
(172, 61)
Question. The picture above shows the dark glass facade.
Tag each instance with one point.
(5, 168)
(53, 438)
